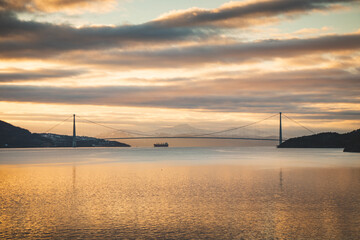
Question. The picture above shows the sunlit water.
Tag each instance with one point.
(179, 193)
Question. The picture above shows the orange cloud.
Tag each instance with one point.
(50, 5)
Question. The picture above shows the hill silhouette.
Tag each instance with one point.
(349, 141)
(16, 137)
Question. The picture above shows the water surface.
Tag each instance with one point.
(179, 193)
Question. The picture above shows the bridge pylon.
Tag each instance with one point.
(74, 132)
(280, 130)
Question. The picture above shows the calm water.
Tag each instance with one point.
(179, 193)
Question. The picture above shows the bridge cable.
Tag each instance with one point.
(57, 124)
(118, 130)
(299, 124)
(231, 129)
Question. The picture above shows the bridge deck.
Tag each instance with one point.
(184, 137)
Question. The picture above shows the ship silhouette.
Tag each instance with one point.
(161, 145)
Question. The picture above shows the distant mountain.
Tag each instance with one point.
(114, 134)
(349, 141)
(16, 137)
(182, 129)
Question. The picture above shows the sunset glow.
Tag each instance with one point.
(213, 64)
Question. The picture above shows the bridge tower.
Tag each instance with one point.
(280, 131)
(74, 132)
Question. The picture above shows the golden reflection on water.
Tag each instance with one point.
(153, 200)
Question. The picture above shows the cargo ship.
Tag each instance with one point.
(161, 145)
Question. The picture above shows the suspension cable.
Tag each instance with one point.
(57, 124)
(299, 124)
(231, 129)
(112, 128)
(200, 135)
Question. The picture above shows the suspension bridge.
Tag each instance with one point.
(220, 135)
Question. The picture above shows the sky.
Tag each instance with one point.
(147, 64)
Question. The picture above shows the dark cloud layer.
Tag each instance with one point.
(113, 96)
(238, 14)
(19, 75)
(265, 91)
(230, 53)
(30, 39)
(22, 39)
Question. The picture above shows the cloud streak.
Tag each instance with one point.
(244, 14)
(19, 75)
(29, 39)
(229, 53)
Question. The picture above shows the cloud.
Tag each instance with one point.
(188, 39)
(20, 75)
(298, 81)
(244, 14)
(265, 92)
(192, 56)
(49, 6)
(34, 40)
(30, 39)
